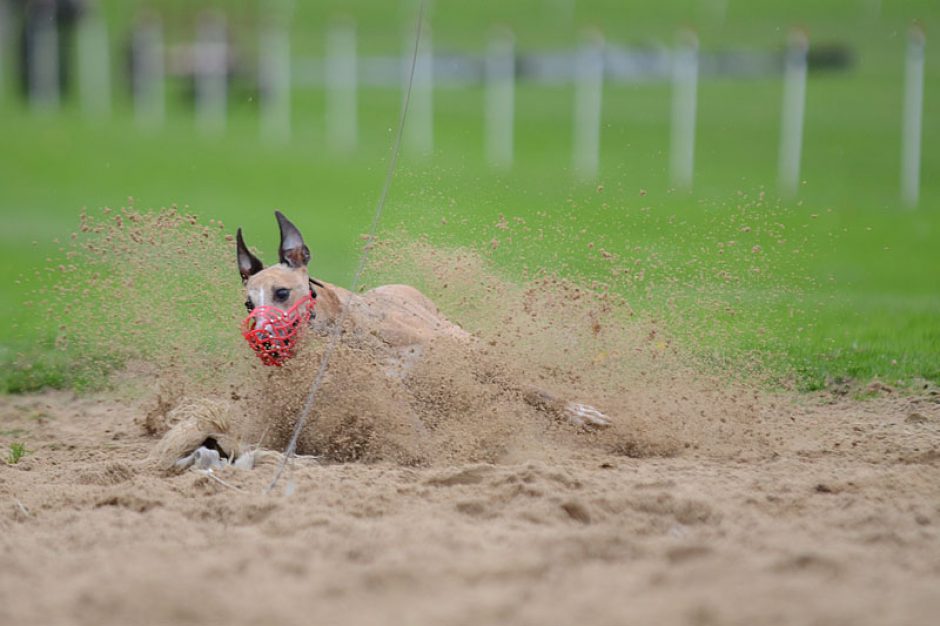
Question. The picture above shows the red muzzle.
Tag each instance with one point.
(273, 333)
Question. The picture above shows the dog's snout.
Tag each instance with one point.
(262, 324)
(271, 331)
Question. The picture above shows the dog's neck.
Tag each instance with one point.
(330, 302)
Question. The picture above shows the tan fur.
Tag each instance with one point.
(269, 280)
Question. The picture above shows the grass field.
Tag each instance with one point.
(852, 292)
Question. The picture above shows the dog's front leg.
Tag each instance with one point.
(575, 413)
(585, 415)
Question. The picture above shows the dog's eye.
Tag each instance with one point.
(249, 305)
(281, 294)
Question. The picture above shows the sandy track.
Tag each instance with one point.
(838, 524)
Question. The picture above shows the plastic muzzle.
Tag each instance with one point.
(274, 334)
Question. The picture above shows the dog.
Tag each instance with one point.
(285, 304)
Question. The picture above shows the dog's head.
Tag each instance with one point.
(280, 298)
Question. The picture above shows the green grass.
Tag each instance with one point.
(16, 452)
(851, 293)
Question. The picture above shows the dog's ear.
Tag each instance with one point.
(248, 264)
(293, 251)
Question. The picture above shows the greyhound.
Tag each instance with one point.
(285, 304)
(401, 316)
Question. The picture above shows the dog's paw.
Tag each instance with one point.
(202, 458)
(585, 416)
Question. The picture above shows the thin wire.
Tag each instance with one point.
(291, 449)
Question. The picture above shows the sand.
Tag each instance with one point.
(839, 524)
(441, 496)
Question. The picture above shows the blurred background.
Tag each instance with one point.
(664, 133)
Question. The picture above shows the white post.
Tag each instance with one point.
(5, 31)
(211, 65)
(589, 86)
(43, 77)
(342, 82)
(794, 106)
(500, 94)
(564, 10)
(420, 125)
(94, 65)
(148, 74)
(719, 10)
(913, 117)
(684, 104)
(274, 68)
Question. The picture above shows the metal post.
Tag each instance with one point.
(913, 117)
(342, 82)
(274, 77)
(148, 73)
(43, 51)
(589, 86)
(94, 65)
(718, 10)
(211, 66)
(500, 79)
(5, 31)
(684, 104)
(419, 130)
(794, 106)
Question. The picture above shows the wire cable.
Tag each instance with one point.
(337, 330)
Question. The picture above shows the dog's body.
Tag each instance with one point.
(398, 321)
(400, 315)
(405, 320)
